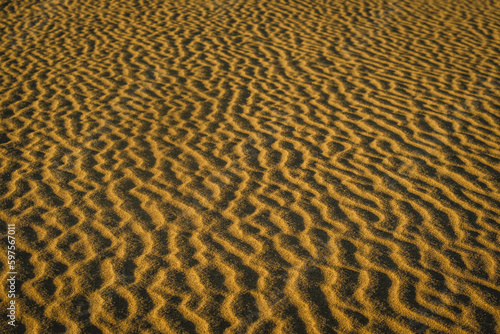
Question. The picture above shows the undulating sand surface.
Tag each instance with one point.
(251, 166)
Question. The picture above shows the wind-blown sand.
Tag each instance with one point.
(251, 166)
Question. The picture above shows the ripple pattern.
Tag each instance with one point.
(280, 166)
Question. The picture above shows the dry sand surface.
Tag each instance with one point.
(251, 166)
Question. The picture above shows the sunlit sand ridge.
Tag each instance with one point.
(248, 166)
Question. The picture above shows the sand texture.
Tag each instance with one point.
(251, 166)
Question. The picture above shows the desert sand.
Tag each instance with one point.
(251, 166)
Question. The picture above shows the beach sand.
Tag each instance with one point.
(251, 166)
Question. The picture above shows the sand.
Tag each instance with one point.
(251, 166)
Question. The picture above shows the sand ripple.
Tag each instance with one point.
(286, 166)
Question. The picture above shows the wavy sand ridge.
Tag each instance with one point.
(252, 166)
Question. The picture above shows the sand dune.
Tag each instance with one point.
(278, 166)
